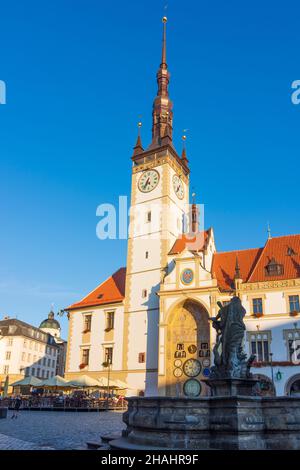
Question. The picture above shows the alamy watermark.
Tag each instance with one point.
(295, 97)
(2, 92)
(151, 221)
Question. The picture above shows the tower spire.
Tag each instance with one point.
(164, 45)
(162, 115)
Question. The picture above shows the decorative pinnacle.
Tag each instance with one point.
(269, 232)
(138, 148)
(237, 269)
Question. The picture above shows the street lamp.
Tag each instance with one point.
(271, 364)
(107, 365)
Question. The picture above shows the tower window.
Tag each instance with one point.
(147, 254)
(149, 216)
(144, 293)
(142, 357)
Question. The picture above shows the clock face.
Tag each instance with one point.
(178, 187)
(177, 363)
(177, 372)
(192, 388)
(192, 367)
(148, 181)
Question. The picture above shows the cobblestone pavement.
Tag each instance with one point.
(57, 429)
(10, 443)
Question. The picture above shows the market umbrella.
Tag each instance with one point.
(121, 385)
(84, 381)
(113, 384)
(103, 381)
(55, 382)
(32, 381)
(5, 388)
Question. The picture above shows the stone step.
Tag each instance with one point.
(110, 436)
(94, 445)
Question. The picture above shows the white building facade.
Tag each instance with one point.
(148, 324)
(25, 351)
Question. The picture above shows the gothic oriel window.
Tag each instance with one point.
(259, 344)
(273, 268)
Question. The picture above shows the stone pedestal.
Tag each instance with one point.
(3, 412)
(231, 387)
(219, 422)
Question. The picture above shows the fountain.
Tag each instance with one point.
(233, 417)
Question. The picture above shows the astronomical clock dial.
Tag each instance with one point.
(177, 363)
(177, 372)
(148, 181)
(192, 349)
(178, 187)
(192, 367)
(192, 388)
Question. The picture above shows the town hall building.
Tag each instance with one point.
(148, 324)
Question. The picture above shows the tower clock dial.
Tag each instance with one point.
(148, 181)
(192, 367)
(178, 187)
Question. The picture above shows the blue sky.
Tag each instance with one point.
(78, 75)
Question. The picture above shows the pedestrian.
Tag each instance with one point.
(17, 405)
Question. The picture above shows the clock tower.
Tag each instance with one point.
(159, 204)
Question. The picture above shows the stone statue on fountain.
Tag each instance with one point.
(230, 361)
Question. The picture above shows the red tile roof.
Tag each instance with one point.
(184, 241)
(284, 250)
(110, 291)
(223, 267)
(278, 248)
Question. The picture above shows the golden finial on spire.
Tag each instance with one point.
(165, 19)
(184, 134)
